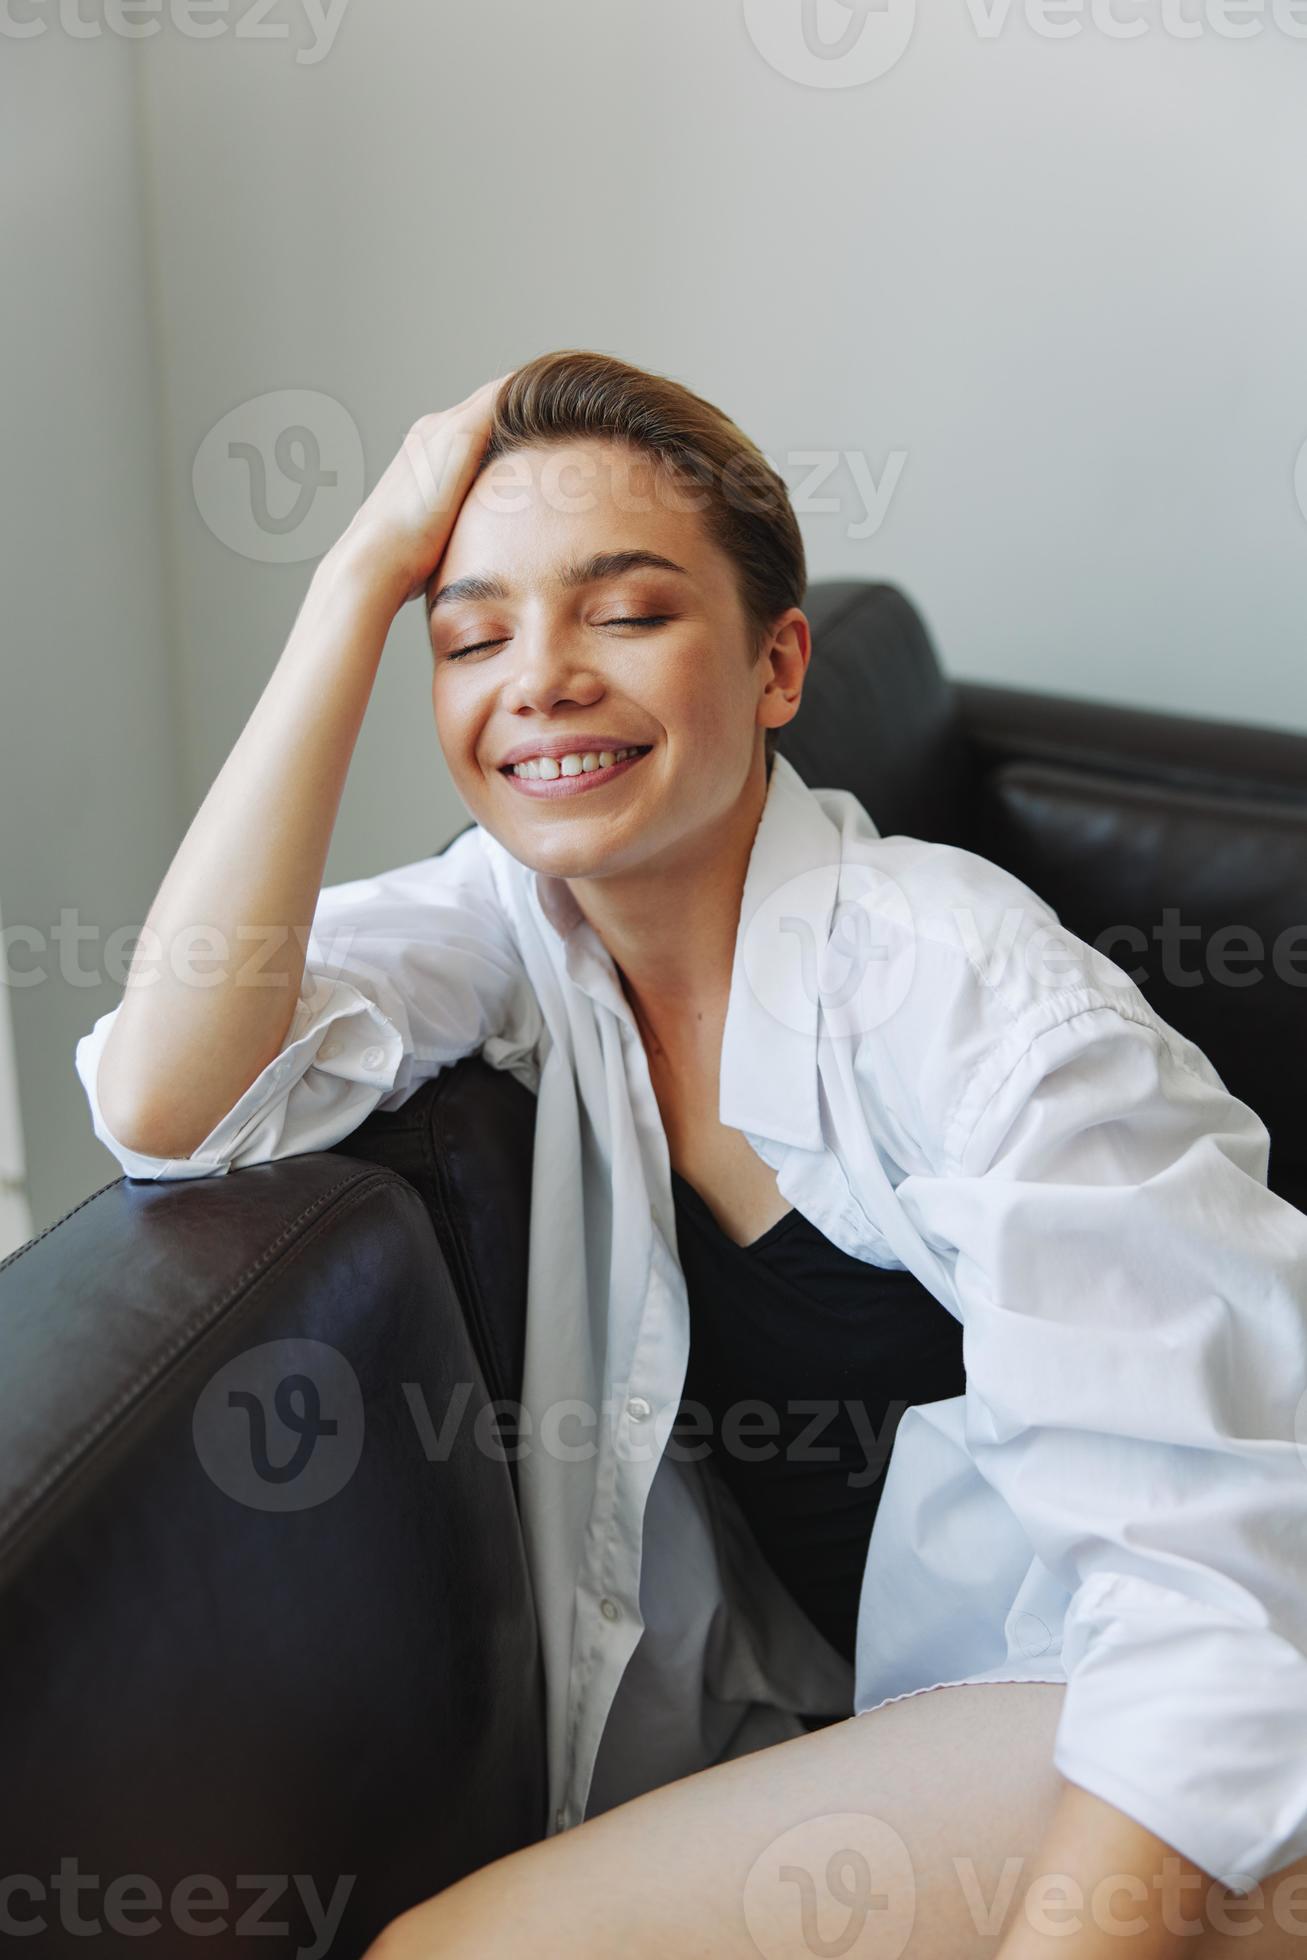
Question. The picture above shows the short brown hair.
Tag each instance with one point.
(746, 510)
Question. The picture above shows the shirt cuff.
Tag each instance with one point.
(335, 1028)
(1190, 1720)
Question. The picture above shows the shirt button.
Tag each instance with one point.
(560, 1818)
(373, 1057)
(639, 1407)
(610, 1609)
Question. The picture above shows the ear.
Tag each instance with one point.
(784, 661)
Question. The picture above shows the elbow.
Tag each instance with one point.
(143, 1129)
(146, 1135)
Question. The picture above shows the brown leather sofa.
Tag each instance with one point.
(227, 1689)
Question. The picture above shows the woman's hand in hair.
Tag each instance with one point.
(398, 535)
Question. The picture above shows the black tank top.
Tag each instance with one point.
(787, 1322)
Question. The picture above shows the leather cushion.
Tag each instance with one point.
(1201, 900)
(878, 716)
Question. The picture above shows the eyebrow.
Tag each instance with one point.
(584, 571)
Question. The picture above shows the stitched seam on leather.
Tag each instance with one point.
(18, 1251)
(1202, 779)
(1187, 797)
(194, 1330)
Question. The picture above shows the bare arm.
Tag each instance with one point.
(185, 1045)
(1103, 1882)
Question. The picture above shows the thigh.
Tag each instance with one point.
(905, 1834)
(902, 1832)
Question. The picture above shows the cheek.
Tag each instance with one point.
(456, 711)
(714, 707)
(700, 686)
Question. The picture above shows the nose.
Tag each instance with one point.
(548, 668)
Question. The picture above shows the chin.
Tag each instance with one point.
(557, 857)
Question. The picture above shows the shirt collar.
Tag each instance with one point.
(769, 1047)
(768, 1082)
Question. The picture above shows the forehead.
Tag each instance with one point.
(533, 511)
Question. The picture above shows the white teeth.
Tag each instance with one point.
(544, 768)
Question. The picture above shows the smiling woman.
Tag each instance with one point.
(1076, 1640)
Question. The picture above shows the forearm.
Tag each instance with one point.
(204, 1011)
(1099, 1877)
(191, 1035)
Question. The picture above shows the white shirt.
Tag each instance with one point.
(943, 1081)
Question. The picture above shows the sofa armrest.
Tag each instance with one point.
(264, 1605)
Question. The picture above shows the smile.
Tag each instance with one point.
(573, 778)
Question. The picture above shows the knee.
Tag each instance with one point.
(459, 1921)
(415, 1935)
(392, 1943)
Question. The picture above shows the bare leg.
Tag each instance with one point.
(911, 1831)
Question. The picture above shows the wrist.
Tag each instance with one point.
(360, 572)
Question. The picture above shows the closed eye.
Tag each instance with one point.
(459, 652)
(650, 619)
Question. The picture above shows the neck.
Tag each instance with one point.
(671, 930)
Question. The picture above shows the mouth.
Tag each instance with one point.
(577, 785)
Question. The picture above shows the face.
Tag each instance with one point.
(581, 608)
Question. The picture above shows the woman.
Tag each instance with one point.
(864, 1082)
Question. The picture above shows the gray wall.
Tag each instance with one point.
(1055, 288)
(90, 793)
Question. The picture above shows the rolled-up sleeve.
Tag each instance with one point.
(405, 973)
(1134, 1304)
